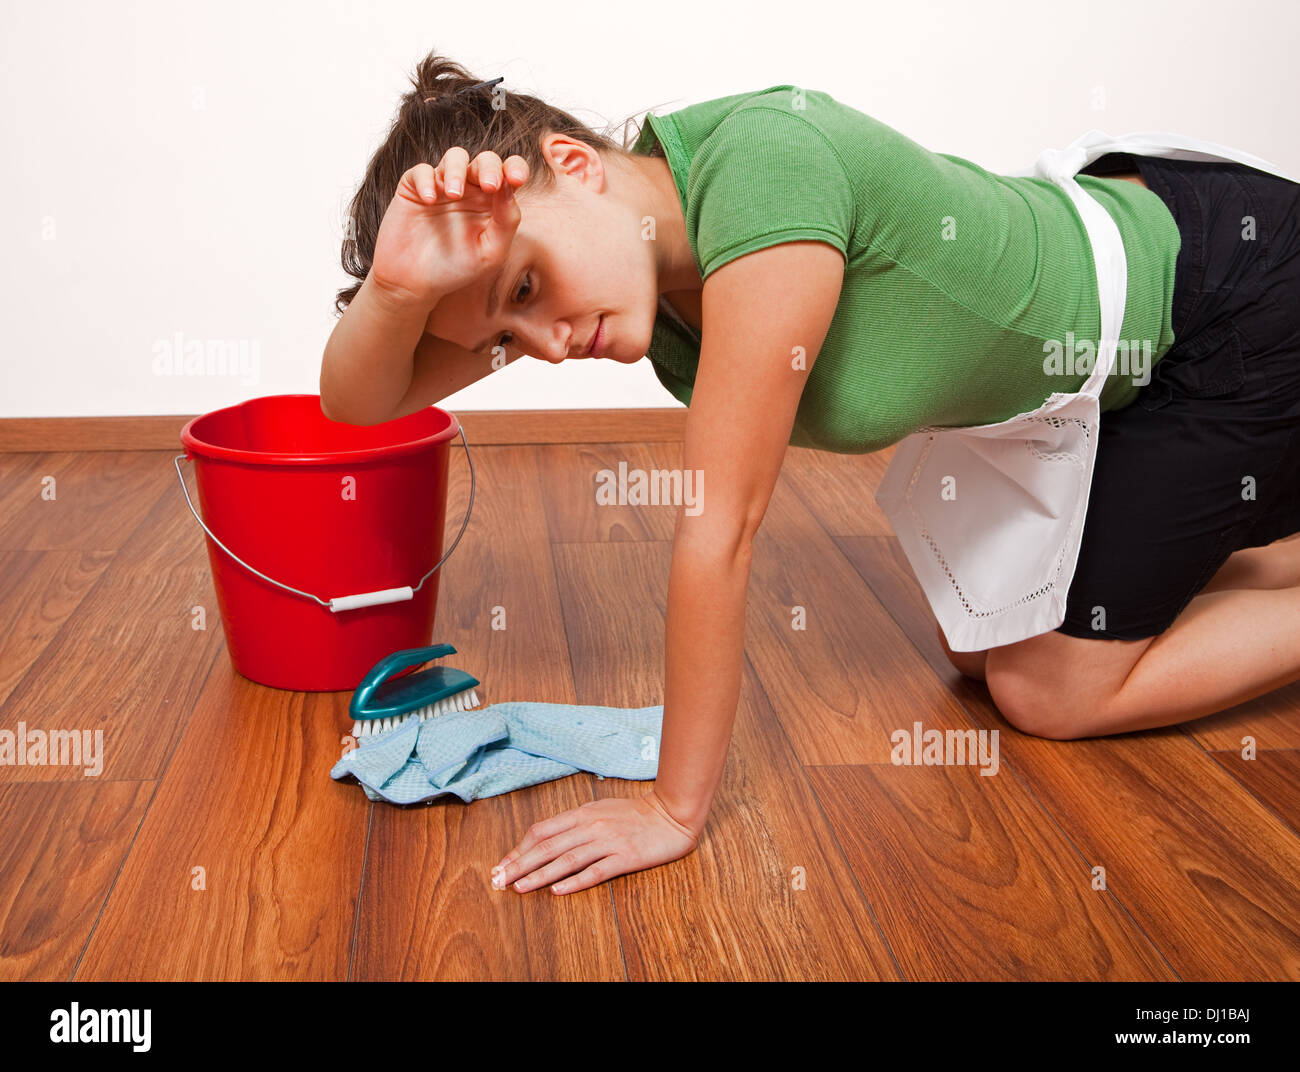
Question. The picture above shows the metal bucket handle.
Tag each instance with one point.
(362, 599)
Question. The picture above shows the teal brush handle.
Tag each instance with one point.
(377, 697)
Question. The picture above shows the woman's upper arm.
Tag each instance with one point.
(765, 317)
(441, 368)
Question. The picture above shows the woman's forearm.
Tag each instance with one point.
(370, 356)
(704, 650)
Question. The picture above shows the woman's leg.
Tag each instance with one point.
(1223, 649)
(1275, 566)
(1226, 647)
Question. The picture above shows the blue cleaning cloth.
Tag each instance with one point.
(505, 746)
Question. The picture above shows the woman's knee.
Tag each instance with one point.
(1016, 697)
(1057, 686)
(1025, 703)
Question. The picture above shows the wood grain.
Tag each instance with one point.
(1168, 823)
(39, 590)
(428, 910)
(1272, 776)
(128, 660)
(848, 678)
(570, 483)
(971, 880)
(1269, 719)
(766, 895)
(63, 848)
(822, 859)
(249, 860)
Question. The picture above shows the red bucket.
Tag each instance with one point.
(324, 538)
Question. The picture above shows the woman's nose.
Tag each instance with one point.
(551, 350)
(559, 346)
(554, 346)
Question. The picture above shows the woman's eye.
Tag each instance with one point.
(524, 289)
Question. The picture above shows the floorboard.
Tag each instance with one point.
(212, 843)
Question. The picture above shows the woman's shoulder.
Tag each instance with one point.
(804, 102)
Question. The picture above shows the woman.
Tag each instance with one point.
(799, 273)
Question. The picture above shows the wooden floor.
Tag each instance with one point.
(822, 860)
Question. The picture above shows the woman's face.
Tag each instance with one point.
(577, 260)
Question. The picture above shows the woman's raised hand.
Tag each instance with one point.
(447, 226)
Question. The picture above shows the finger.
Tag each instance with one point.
(562, 866)
(454, 165)
(515, 170)
(419, 183)
(422, 178)
(505, 209)
(548, 852)
(601, 870)
(539, 832)
(534, 852)
(487, 170)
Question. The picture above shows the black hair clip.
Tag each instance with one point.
(482, 85)
(467, 89)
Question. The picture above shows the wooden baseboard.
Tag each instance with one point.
(482, 427)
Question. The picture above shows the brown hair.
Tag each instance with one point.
(423, 131)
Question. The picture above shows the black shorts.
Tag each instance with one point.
(1206, 460)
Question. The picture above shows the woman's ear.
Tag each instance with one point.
(569, 156)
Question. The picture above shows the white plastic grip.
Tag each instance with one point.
(371, 599)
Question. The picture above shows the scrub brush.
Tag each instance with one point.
(379, 705)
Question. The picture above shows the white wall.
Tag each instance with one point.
(185, 167)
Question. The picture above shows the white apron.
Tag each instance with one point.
(995, 548)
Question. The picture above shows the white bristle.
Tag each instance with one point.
(461, 701)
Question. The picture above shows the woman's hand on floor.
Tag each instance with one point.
(588, 845)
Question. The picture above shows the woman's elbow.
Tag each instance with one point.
(729, 540)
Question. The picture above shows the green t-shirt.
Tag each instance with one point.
(955, 278)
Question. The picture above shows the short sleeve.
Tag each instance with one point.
(764, 176)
